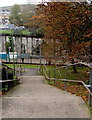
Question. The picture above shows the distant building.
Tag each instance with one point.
(5, 12)
(4, 15)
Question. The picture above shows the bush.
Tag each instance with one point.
(39, 32)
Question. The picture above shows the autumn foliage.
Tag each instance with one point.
(67, 29)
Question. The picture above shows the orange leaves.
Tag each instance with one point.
(34, 17)
(89, 33)
(68, 24)
(35, 21)
(74, 89)
(37, 17)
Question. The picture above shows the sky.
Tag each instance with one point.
(12, 2)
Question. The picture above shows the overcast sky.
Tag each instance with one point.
(12, 2)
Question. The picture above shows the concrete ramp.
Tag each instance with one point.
(30, 72)
(33, 98)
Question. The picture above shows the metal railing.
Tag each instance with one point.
(16, 72)
(9, 78)
(54, 74)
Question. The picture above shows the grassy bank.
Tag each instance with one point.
(72, 87)
(63, 73)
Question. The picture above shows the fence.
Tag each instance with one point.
(15, 72)
(34, 59)
(9, 77)
(66, 79)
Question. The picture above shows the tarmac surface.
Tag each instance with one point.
(33, 98)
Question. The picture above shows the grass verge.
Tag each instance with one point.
(63, 73)
(23, 66)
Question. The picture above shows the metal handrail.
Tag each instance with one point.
(70, 81)
(3, 81)
(45, 66)
(67, 65)
(8, 67)
(65, 80)
(14, 70)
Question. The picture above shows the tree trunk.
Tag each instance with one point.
(49, 62)
(74, 67)
(90, 50)
(91, 62)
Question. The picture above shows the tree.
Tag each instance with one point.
(9, 45)
(35, 25)
(15, 17)
(20, 14)
(27, 12)
(65, 25)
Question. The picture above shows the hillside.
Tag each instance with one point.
(32, 6)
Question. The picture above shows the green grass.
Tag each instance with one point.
(10, 65)
(25, 32)
(62, 73)
(6, 31)
(24, 66)
(30, 66)
(72, 87)
(69, 74)
(22, 32)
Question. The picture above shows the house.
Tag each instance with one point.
(4, 15)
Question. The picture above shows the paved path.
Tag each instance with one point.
(33, 98)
